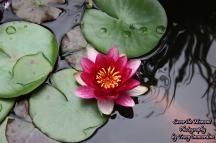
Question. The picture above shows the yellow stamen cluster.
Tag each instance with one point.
(108, 77)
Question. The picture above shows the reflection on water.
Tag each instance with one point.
(211, 98)
(181, 74)
(184, 52)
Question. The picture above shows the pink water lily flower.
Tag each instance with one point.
(107, 78)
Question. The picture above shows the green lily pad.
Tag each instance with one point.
(27, 55)
(5, 107)
(30, 66)
(58, 113)
(134, 26)
(3, 126)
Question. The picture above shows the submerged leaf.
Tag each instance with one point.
(134, 26)
(21, 110)
(58, 113)
(73, 59)
(74, 47)
(27, 55)
(21, 131)
(36, 11)
(73, 41)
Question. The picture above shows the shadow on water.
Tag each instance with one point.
(184, 49)
(1, 14)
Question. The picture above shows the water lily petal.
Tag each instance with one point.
(85, 92)
(87, 65)
(129, 85)
(79, 79)
(125, 100)
(101, 61)
(105, 106)
(139, 90)
(120, 63)
(91, 53)
(101, 95)
(133, 65)
(121, 55)
(113, 53)
(87, 78)
(126, 74)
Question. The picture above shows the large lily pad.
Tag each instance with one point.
(3, 126)
(36, 11)
(134, 26)
(61, 115)
(5, 107)
(27, 55)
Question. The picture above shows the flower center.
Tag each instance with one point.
(108, 77)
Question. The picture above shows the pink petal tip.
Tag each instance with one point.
(139, 90)
(85, 92)
(125, 100)
(133, 65)
(79, 79)
(91, 53)
(105, 106)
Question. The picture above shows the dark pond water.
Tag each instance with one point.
(181, 74)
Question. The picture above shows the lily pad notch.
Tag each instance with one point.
(60, 114)
(28, 53)
(134, 26)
